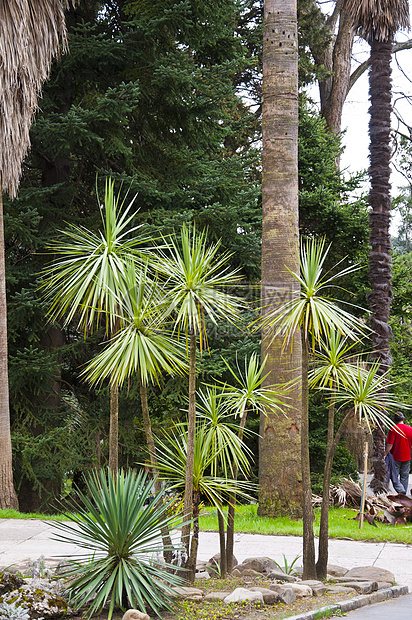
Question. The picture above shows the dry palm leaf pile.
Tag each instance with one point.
(391, 509)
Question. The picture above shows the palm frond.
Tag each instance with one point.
(378, 19)
(32, 33)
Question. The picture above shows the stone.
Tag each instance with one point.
(269, 596)
(236, 573)
(336, 571)
(317, 587)
(286, 593)
(242, 594)
(281, 576)
(216, 596)
(260, 565)
(370, 573)
(212, 566)
(9, 582)
(202, 575)
(301, 591)
(362, 587)
(134, 614)
(187, 593)
(338, 589)
(383, 585)
(39, 602)
(249, 572)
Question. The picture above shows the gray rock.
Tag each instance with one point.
(134, 614)
(242, 594)
(216, 596)
(286, 593)
(269, 596)
(338, 590)
(281, 576)
(261, 565)
(187, 593)
(202, 575)
(318, 588)
(213, 565)
(370, 573)
(301, 591)
(336, 571)
(249, 572)
(383, 585)
(363, 587)
(236, 573)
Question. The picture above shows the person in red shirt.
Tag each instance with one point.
(398, 443)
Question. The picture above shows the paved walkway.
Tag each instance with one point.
(22, 540)
(397, 609)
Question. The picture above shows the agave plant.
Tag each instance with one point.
(121, 536)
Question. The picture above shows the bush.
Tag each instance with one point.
(122, 539)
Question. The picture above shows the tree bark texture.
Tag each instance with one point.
(8, 497)
(337, 61)
(114, 429)
(280, 482)
(188, 501)
(380, 262)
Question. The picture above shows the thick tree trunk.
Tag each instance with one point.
(8, 497)
(309, 566)
(337, 61)
(280, 482)
(380, 262)
(188, 501)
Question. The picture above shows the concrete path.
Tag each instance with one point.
(22, 540)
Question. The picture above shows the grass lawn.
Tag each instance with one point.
(341, 525)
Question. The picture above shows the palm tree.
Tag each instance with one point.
(314, 316)
(88, 279)
(142, 345)
(249, 394)
(195, 280)
(378, 21)
(362, 392)
(214, 443)
(279, 446)
(31, 36)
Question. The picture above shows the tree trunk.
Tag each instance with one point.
(309, 566)
(380, 262)
(337, 61)
(280, 482)
(114, 429)
(188, 501)
(195, 538)
(8, 497)
(167, 541)
(322, 563)
(232, 505)
(222, 544)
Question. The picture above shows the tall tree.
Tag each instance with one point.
(377, 21)
(32, 32)
(280, 480)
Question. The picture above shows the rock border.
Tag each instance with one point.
(354, 603)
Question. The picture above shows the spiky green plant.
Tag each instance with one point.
(121, 538)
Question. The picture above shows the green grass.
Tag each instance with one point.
(341, 525)
(15, 514)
